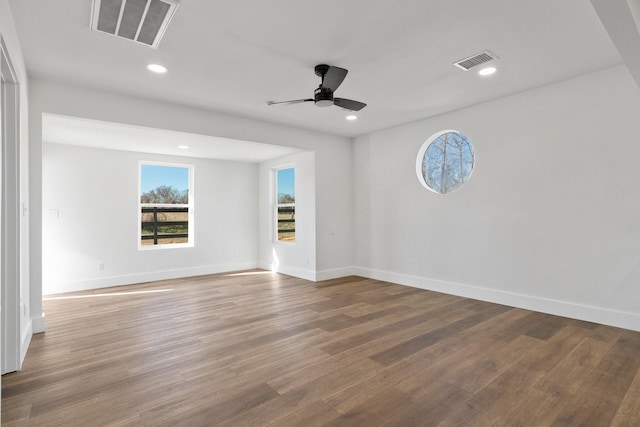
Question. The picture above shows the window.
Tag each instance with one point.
(166, 205)
(285, 214)
(445, 161)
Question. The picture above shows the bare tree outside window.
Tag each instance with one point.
(445, 162)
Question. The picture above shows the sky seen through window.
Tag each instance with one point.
(154, 176)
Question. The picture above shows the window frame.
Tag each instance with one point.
(189, 205)
(277, 205)
(423, 150)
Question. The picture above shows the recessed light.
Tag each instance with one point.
(183, 147)
(351, 117)
(157, 68)
(487, 71)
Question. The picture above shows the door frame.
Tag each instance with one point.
(10, 347)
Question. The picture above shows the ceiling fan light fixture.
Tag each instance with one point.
(351, 117)
(323, 97)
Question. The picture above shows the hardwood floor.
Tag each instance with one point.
(257, 348)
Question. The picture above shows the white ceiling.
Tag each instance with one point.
(115, 136)
(234, 55)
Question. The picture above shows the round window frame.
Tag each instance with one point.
(422, 151)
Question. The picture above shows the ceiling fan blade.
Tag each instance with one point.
(349, 104)
(333, 78)
(294, 101)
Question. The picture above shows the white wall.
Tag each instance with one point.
(548, 220)
(299, 258)
(90, 201)
(10, 40)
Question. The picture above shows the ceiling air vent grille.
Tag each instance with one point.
(142, 21)
(475, 60)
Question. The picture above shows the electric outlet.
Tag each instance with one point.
(101, 266)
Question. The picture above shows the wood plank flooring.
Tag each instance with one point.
(262, 349)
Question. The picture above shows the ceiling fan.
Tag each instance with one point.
(331, 77)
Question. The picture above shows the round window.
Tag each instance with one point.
(445, 161)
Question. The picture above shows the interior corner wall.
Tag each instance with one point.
(548, 220)
(299, 258)
(91, 231)
(29, 319)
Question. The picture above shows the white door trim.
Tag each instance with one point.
(10, 341)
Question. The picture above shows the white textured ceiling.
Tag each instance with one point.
(234, 55)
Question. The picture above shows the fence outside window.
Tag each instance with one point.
(162, 224)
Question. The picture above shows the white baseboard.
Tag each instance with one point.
(25, 341)
(314, 276)
(334, 273)
(605, 316)
(289, 270)
(37, 324)
(128, 279)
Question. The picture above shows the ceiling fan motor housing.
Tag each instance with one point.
(323, 97)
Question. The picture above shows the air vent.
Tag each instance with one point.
(142, 21)
(475, 60)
